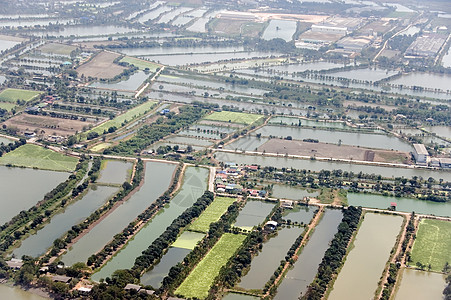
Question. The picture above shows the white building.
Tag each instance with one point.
(420, 153)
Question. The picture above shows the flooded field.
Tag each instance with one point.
(291, 192)
(403, 204)
(316, 165)
(267, 261)
(375, 239)
(15, 293)
(14, 198)
(281, 29)
(304, 270)
(247, 143)
(443, 131)
(368, 140)
(194, 185)
(115, 171)
(35, 245)
(156, 181)
(420, 285)
(253, 214)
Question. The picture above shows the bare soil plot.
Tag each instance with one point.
(332, 151)
(101, 66)
(46, 125)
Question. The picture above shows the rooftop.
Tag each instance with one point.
(420, 149)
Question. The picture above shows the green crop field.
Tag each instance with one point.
(188, 240)
(12, 95)
(199, 281)
(140, 63)
(33, 156)
(127, 116)
(432, 244)
(7, 106)
(212, 214)
(55, 48)
(233, 117)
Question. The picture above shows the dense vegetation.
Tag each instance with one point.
(149, 134)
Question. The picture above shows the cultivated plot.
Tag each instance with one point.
(432, 245)
(212, 214)
(198, 283)
(12, 95)
(233, 117)
(33, 156)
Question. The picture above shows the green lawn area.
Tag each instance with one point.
(188, 240)
(33, 156)
(199, 281)
(100, 147)
(212, 214)
(233, 117)
(432, 244)
(7, 105)
(140, 63)
(127, 116)
(12, 95)
(57, 48)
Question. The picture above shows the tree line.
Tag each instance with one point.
(149, 134)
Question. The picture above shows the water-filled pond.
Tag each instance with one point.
(194, 185)
(358, 279)
(155, 276)
(282, 29)
(130, 84)
(266, 262)
(15, 198)
(304, 270)
(115, 171)
(253, 213)
(420, 285)
(35, 245)
(427, 80)
(300, 214)
(156, 181)
(87, 30)
(403, 204)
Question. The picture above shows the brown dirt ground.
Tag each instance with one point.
(331, 150)
(101, 66)
(51, 126)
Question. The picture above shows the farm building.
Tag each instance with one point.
(61, 278)
(420, 153)
(426, 45)
(134, 287)
(14, 263)
(354, 43)
(445, 163)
